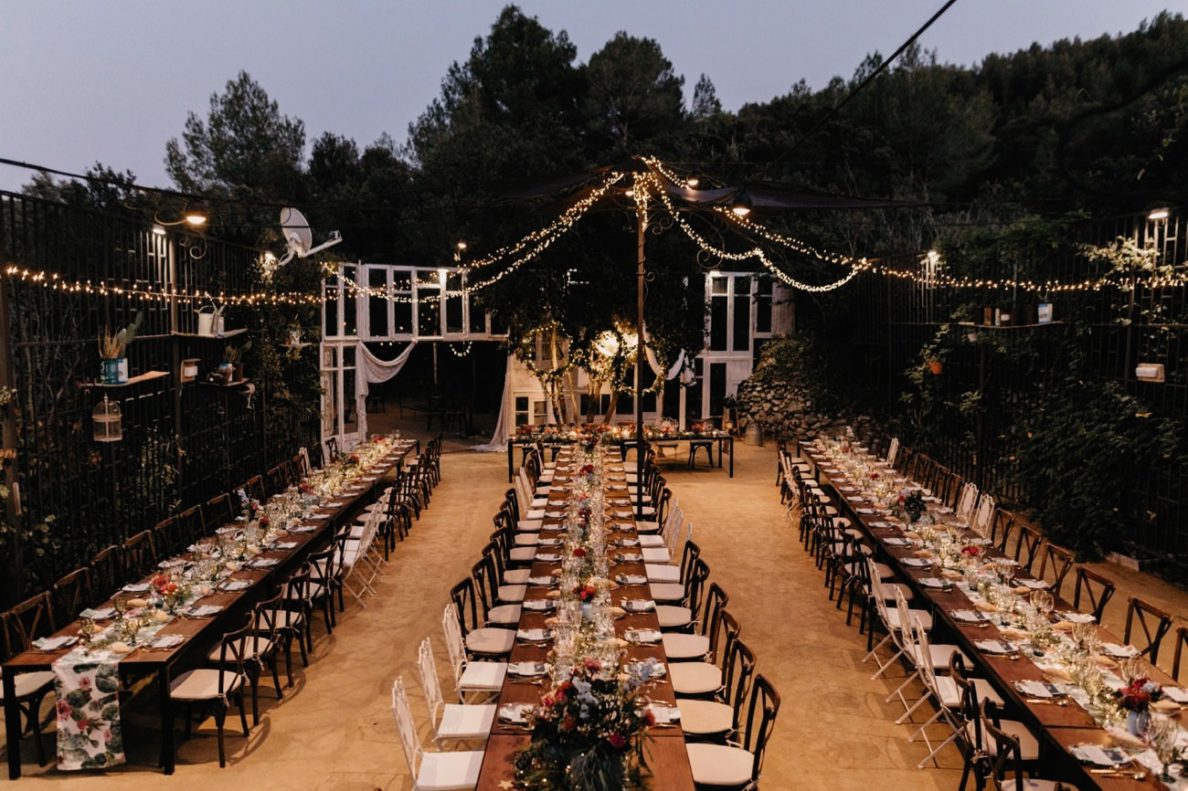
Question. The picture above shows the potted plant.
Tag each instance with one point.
(233, 361)
(113, 365)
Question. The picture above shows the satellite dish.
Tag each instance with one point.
(299, 237)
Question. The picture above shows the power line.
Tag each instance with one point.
(869, 78)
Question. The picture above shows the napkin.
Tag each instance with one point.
(1040, 689)
(534, 635)
(967, 616)
(1035, 585)
(1124, 738)
(897, 542)
(934, 582)
(285, 545)
(631, 579)
(527, 668)
(639, 605)
(1178, 694)
(549, 542)
(264, 563)
(625, 542)
(919, 563)
(514, 713)
(629, 557)
(642, 635)
(995, 646)
(236, 585)
(951, 574)
(167, 641)
(204, 611)
(136, 587)
(865, 511)
(1099, 756)
(303, 529)
(539, 605)
(547, 581)
(55, 643)
(1075, 617)
(986, 606)
(548, 557)
(1119, 651)
(1165, 706)
(99, 614)
(1057, 674)
(664, 715)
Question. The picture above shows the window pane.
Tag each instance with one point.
(348, 356)
(350, 303)
(454, 304)
(521, 410)
(718, 285)
(330, 308)
(717, 339)
(742, 320)
(717, 386)
(428, 312)
(378, 306)
(402, 317)
(401, 280)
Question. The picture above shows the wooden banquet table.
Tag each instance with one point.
(665, 752)
(200, 633)
(1060, 723)
(724, 440)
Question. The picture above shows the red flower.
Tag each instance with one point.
(874, 476)
(568, 724)
(971, 551)
(64, 709)
(84, 725)
(265, 521)
(580, 552)
(617, 740)
(593, 665)
(649, 717)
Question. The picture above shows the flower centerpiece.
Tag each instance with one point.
(1136, 698)
(172, 592)
(911, 505)
(588, 731)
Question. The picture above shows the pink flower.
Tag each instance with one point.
(85, 682)
(617, 740)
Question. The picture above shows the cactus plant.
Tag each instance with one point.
(113, 347)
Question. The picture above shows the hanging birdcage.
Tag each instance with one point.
(108, 420)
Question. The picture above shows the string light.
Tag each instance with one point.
(465, 349)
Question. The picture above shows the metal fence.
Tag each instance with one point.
(892, 319)
(182, 443)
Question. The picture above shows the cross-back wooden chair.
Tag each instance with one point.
(1002, 527)
(1154, 623)
(140, 554)
(1027, 548)
(1098, 591)
(191, 525)
(277, 478)
(218, 511)
(107, 570)
(254, 486)
(72, 593)
(1055, 565)
(1181, 641)
(167, 536)
(31, 688)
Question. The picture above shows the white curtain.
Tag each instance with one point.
(373, 370)
(498, 443)
(654, 364)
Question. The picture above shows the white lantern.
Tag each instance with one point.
(108, 421)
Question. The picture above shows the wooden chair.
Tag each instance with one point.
(1057, 562)
(72, 594)
(739, 765)
(277, 479)
(107, 570)
(1002, 527)
(289, 619)
(191, 526)
(213, 689)
(22, 624)
(140, 555)
(1181, 641)
(1098, 591)
(1027, 548)
(218, 511)
(1154, 622)
(167, 536)
(1006, 758)
(254, 486)
(259, 651)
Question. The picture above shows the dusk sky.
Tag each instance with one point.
(112, 81)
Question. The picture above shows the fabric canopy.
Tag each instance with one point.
(373, 370)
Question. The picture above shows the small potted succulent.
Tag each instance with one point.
(113, 364)
(233, 361)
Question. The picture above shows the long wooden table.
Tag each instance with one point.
(1059, 726)
(200, 633)
(724, 440)
(665, 745)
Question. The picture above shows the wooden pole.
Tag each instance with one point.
(641, 227)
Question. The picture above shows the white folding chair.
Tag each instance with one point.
(450, 720)
(893, 451)
(895, 628)
(984, 515)
(470, 677)
(431, 771)
(939, 656)
(967, 502)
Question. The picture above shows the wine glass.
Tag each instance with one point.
(86, 632)
(120, 605)
(1162, 734)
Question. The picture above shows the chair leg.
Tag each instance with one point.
(220, 720)
(276, 676)
(243, 712)
(254, 678)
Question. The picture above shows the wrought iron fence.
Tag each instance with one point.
(182, 443)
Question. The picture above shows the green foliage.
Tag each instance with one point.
(1089, 455)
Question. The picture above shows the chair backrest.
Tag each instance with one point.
(1098, 591)
(984, 516)
(233, 650)
(140, 554)
(427, 670)
(486, 584)
(73, 593)
(465, 606)
(1027, 549)
(715, 605)
(332, 448)
(764, 706)
(29, 620)
(218, 511)
(919, 636)
(1153, 622)
(1181, 641)
(323, 565)
(722, 637)
(737, 673)
(969, 700)
(689, 557)
(264, 616)
(877, 593)
(254, 486)
(402, 714)
(191, 525)
(967, 501)
(454, 644)
(1008, 756)
(107, 570)
(296, 588)
(1001, 529)
(1057, 562)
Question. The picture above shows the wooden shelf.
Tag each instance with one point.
(972, 325)
(221, 386)
(224, 336)
(144, 377)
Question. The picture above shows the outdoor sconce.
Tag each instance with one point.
(108, 421)
(1149, 372)
(742, 204)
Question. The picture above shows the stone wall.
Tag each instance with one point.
(785, 411)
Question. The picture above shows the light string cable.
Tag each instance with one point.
(757, 253)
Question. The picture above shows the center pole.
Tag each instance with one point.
(641, 226)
